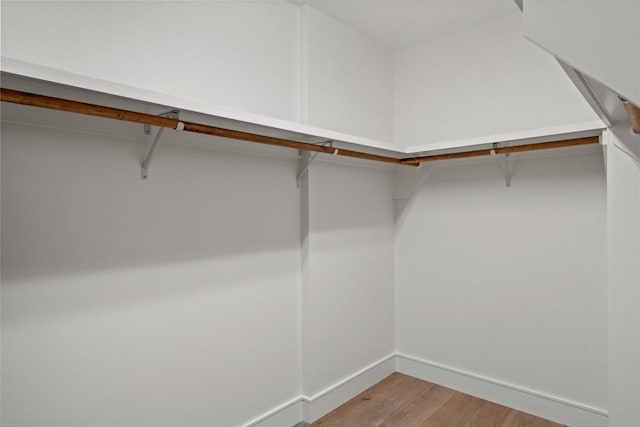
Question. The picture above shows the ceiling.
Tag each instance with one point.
(401, 23)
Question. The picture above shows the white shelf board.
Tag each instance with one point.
(34, 71)
(38, 72)
(573, 130)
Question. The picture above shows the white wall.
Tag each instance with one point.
(348, 311)
(349, 79)
(171, 301)
(179, 299)
(505, 283)
(243, 55)
(295, 63)
(482, 81)
(271, 58)
(575, 29)
(623, 217)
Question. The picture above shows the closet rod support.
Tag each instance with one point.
(505, 165)
(173, 114)
(305, 162)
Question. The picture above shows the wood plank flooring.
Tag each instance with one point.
(403, 401)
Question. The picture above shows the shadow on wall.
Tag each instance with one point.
(75, 203)
(484, 174)
(76, 212)
(519, 274)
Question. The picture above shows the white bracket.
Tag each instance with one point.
(505, 165)
(305, 162)
(174, 114)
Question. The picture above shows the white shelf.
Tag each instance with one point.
(34, 71)
(38, 72)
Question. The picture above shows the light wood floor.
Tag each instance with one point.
(403, 401)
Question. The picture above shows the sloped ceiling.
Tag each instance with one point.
(401, 23)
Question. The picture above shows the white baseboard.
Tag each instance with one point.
(533, 402)
(309, 409)
(329, 399)
(303, 409)
(286, 415)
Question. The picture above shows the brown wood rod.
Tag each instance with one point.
(504, 150)
(634, 115)
(34, 100)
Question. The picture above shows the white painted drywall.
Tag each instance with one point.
(348, 318)
(243, 55)
(178, 300)
(509, 283)
(171, 301)
(283, 61)
(599, 38)
(349, 79)
(403, 23)
(623, 217)
(478, 82)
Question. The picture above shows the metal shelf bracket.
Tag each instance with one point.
(306, 160)
(174, 114)
(505, 165)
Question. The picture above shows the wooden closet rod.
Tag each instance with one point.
(503, 150)
(34, 100)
